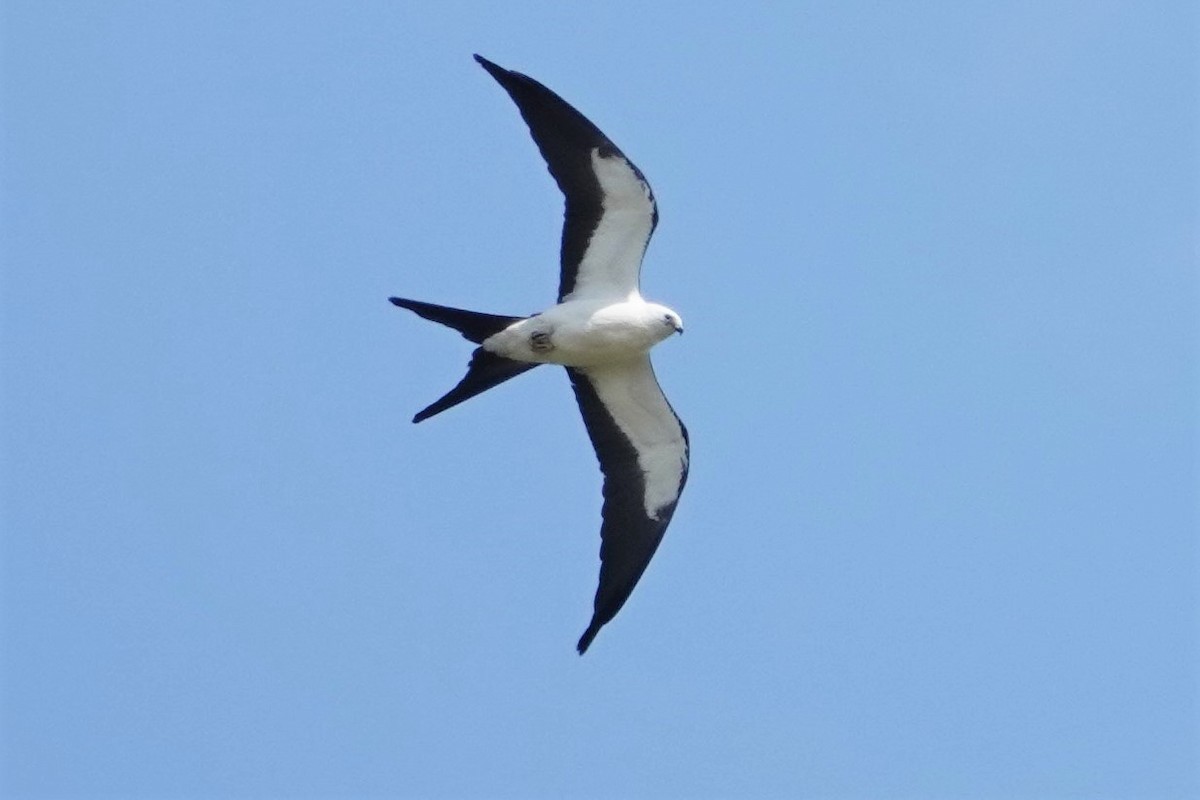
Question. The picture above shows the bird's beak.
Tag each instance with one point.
(679, 329)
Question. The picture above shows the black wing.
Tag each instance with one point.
(610, 209)
(643, 451)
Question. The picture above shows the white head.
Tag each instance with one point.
(667, 320)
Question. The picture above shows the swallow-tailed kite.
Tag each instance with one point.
(601, 330)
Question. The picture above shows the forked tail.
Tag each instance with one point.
(473, 325)
(486, 369)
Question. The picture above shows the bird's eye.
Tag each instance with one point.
(667, 319)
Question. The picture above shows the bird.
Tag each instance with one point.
(600, 329)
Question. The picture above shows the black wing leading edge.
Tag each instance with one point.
(571, 145)
(643, 451)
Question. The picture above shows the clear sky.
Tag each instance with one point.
(938, 266)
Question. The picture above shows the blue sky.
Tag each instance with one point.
(938, 265)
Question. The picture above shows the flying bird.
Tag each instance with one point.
(601, 330)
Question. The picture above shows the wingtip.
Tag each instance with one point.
(494, 69)
(585, 641)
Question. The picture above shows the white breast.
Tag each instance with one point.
(584, 333)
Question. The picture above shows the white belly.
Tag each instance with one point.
(582, 334)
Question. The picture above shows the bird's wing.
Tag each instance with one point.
(610, 212)
(643, 451)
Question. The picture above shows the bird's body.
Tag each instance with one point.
(601, 330)
(586, 333)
